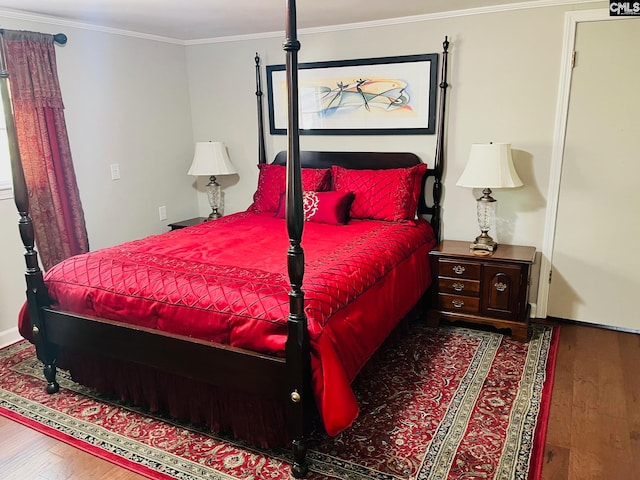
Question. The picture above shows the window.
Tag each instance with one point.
(5, 162)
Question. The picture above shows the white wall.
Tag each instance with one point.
(504, 76)
(126, 102)
(12, 282)
(132, 109)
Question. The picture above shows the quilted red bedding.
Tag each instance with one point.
(226, 281)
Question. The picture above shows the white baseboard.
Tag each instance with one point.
(10, 336)
(534, 309)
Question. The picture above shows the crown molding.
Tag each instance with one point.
(59, 22)
(47, 20)
(401, 20)
(450, 14)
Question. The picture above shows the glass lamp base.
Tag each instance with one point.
(484, 242)
(486, 209)
(214, 195)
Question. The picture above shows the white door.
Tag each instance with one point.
(596, 252)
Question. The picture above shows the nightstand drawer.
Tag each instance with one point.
(458, 303)
(459, 286)
(459, 269)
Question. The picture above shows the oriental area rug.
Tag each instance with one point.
(445, 403)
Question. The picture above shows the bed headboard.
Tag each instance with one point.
(354, 160)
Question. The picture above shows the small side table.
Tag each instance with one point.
(490, 290)
(186, 223)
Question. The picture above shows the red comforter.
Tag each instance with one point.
(226, 281)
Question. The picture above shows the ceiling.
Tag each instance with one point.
(190, 20)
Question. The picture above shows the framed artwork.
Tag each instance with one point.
(372, 96)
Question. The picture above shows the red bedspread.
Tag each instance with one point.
(226, 281)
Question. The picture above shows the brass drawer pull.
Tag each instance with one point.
(501, 287)
(459, 269)
(457, 303)
(458, 287)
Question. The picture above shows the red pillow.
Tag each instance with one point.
(322, 207)
(389, 194)
(272, 184)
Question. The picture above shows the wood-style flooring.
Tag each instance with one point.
(593, 432)
(594, 422)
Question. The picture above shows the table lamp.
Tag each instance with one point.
(211, 159)
(490, 166)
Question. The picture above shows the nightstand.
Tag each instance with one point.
(186, 223)
(490, 290)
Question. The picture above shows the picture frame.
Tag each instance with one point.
(372, 96)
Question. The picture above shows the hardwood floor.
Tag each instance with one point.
(29, 455)
(594, 423)
(593, 433)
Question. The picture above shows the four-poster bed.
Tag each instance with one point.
(356, 285)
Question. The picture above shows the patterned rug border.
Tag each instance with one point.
(158, 464)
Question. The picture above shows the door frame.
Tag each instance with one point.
(571, 21)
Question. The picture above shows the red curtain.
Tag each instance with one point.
(54, 198)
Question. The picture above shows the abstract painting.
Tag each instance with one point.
(374, 96)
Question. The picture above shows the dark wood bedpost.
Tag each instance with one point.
(439, 155)
(37, 295)
(297, 347)
(262, 152)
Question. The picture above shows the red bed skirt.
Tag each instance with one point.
(254, 419)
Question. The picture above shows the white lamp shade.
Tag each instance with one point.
(211, 158)
(490, 166)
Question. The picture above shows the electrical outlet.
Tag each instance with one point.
(162, 212)
(115, 171)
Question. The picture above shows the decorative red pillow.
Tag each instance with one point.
(322, 207)
(389, 194)
(272, 184)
